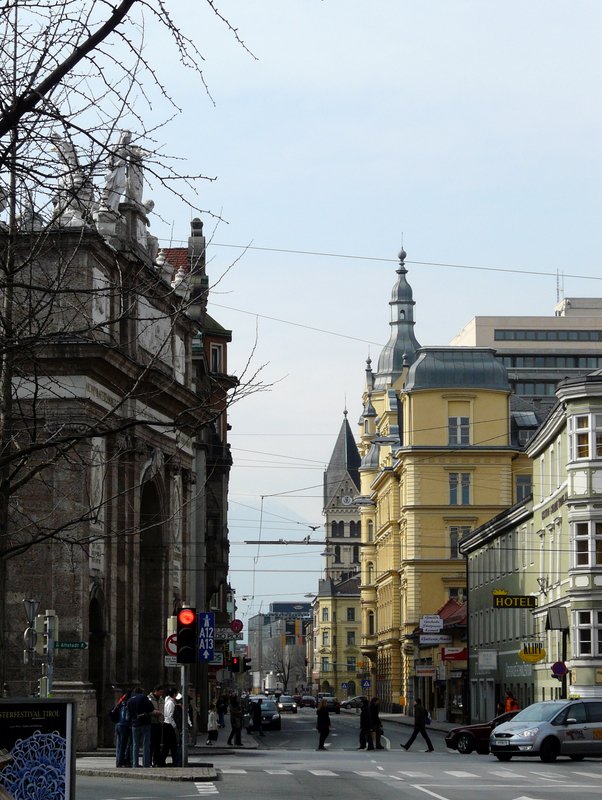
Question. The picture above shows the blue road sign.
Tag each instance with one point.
(206, 635)
(344, 685)
(366, 684)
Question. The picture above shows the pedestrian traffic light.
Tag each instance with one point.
(187, 636)
(234, 664)
(47, 630)
(246, 664)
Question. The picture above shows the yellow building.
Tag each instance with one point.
(437, 461)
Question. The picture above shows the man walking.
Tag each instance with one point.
(365, 727)
(256, 716)
(420, 714)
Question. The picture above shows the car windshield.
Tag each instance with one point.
(267, 705)
(538, 712)
(286, 699)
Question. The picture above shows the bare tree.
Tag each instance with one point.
(104, 381)
(288, 662)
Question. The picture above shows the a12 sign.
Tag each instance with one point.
(206, 635)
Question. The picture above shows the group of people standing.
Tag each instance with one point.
(148, 725)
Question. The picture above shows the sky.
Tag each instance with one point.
(468, 130)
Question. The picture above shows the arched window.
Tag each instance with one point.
(370, 623)
(354, 528)
(338, 528)
(370, 531)
(370, 573)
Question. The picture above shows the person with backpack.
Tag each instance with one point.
(123, 731)
(421, 720)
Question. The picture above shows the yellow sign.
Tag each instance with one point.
(513, 600)
(532, 652)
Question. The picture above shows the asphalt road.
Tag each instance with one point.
(286, 765)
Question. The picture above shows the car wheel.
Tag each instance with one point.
(576, 758)
(465, 744)
(503, 756)
(550, 750)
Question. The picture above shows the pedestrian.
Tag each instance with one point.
(212, 725)
(171, 735)
(366, 742)
(123, 732)
(221, 707)
(140, 709)
(256, 717)
(323, 723)
(420, 717)
(375, 723)
(510, 703)
(235, 722)
(156, 698)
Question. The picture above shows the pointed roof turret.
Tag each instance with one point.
(344, 461)
(401, 348)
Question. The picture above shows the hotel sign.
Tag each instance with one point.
(514, 601)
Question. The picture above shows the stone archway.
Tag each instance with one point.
(152, 582)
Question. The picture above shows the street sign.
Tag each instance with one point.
(71, 645)
(236, 625)
(435, 638)
(431, 628)
(431, 619)
(366, 683)
(217, 660)
(206, 635)
(344, 685)
(226, 635)
(170, 661)
(171, 645)
(559, 668)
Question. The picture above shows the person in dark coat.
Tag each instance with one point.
(420, 713)
(235, 722)
(140, 710)
(375, 723)
(323, 723)
(366, 742)
(256, 717)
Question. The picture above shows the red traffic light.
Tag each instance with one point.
(186, 616)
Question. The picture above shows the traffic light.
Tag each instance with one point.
(246, 664)
(47, 628)
(187, 636)
(234, 664)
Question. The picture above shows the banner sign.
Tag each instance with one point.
(514, 601)
(38, 737)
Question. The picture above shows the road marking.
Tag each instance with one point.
(368, 774)
(460, 773)
(324, 772)
(504, 773)
(545, 776)
(206, 788)
(278, 771)
(432, 794)
(227, 771)
(588, 774)
(414, 774)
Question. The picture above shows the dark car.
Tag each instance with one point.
(286, 703)
(270, 717)
(354, 702)
(467, 738)
(332, 704)
(307, 701)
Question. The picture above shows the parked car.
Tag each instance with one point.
(332, 704)
(270, 717)
(550, 729)
(353, 702)
(307, 701)
(467, 738)
(286, 703)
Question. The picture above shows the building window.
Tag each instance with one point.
(524, 487)
(350, 638)
(325, 665)
(370, 531)
(585, 432)
(325, 638)
(356, 554)
(457, 593)
(459, 488)
(337, 554)
(456, 532)
(216, 358)
(587, 548)
(458, 430)
(354, 529)
(350, 614)
(589, 633)
(371, 623)
(338, 529)
(324, 615)
(351, 664)
(370, 573)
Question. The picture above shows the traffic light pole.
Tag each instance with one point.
(184, 731)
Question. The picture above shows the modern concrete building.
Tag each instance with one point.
(277, 647)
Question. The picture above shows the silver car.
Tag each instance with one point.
(550, 729)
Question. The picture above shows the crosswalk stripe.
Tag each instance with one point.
(228, 771)
(504, 773)
(588, 774)
(278, 771)
(369, 774)
(320, 772)
(460, 773)
(414, 774)
(206, 788)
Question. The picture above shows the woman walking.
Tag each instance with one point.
(323, 724)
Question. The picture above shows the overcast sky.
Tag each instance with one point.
(469, 129)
